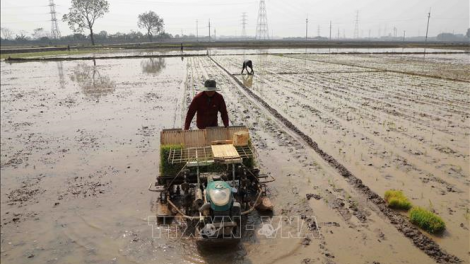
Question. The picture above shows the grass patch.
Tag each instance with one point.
(397, 200)
(427, 220)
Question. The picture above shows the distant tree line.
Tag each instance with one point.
(453, 37)
(103, 37)
(81, 17)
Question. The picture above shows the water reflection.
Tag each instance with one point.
(153, 66)
(262, 60)
(60, 68)
(92, 82)
(247, 80)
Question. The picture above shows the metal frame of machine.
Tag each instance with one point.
(214, 188)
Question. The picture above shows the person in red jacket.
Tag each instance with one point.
(207, 104)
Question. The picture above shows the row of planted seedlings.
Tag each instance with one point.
(425, 149)
(389, 121)
(390, 63)
(356, 86)
(346, 113)
(390, 127)
(431, 88)
(389, 116)
(404, 94)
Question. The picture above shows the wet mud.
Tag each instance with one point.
(419, 239)
(80, 145)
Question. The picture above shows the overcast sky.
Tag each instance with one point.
(286, 18)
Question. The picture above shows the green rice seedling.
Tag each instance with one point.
(166, 168)
(427, 220)
(397, 200)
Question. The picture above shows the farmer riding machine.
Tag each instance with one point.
(208, 177)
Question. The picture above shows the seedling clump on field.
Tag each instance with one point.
(397, 200)
(427, 220)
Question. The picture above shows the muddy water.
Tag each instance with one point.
(80, 145)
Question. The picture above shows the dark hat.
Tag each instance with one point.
(210, 85)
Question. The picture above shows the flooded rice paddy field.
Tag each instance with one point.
(80, 145)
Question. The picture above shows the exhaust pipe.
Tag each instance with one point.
(198, 201)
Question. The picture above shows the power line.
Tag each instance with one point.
(330, 30)
(306, 28)
(356, 26)
(262, 31)
(244, 25)
(55, 33)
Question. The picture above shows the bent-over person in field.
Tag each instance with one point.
(248, 64)
(207, 104)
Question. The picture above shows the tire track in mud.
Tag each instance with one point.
(421, 241)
